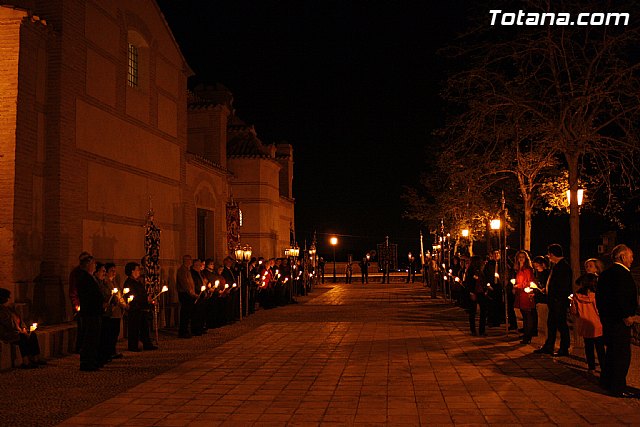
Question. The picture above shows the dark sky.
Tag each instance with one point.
(352, 85)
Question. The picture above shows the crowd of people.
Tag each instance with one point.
(604, 305)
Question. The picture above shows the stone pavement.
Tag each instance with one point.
(362, 356)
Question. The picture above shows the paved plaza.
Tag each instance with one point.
(346, 355)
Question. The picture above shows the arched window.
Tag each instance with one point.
(137, 60)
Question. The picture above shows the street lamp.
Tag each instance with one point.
(334, 242)
(243, 255)
(495, 224)
(580, 196)
(465, 232)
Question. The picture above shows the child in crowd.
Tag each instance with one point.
(583, 307)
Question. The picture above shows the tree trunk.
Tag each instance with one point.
(574, 217)
(470, 246)
(527, 222)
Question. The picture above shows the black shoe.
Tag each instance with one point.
(28, 366)
(521, 330)
(561, 353)
(117, 356)
(135, 350)
(473, 334)
(624, 394)
(149, 347)
(543, 350)
(513, 327)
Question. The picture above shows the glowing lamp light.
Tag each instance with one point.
(333, 241)
(238, 252)
(465, 232)
(495, 224)
(33, 327)
(580, 196)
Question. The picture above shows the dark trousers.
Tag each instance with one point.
(105, 340)
(496, 306)
(114, 333)
(617, 341)
(511, 311)
(557, 322)
(365, 276)
(28, 345)
(138, 329)
(591, 344)
(199, 315)
(528, 319)
(186, 311)
(473, 309)
(534, 321)
(90, 347)
(78, 333)
(348, 278)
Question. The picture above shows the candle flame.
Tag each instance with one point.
(33, 327)
(130, 298)
(114, 291)
(496, 275)
(126, 290)
(234, 285)
(532, 285)
(527, 290)
(457, 279)
(513, 281)
(203, 288)
(226, 285)
(165, 289)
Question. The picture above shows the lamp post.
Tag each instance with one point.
(243, 256)
(334, 242)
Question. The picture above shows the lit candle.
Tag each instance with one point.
(257, 276)
(446, 278)
(513, 281)
(496, 275)
(114, 291)
(33, 327)
(527, 290)
(203, 288)
(226, 286)
(217, 283)
(234, 285)
(130, 298)
(457, 279)
(450, 271)
(532, 285)
(443, 266)
(165, 289)
(126, 290)
(285, 280)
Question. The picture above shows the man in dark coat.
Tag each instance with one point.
(558, 290)
(617, 301)
(90, 308)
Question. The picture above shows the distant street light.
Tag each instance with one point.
(465, 232)
(334, 242)
(495, 224)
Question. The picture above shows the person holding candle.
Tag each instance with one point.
(523, 298)
(475, 286)
(139, 309)
(186, 296)
(199, 313)
(14, 331)
(588, 326)
(104, 354)
(91, 303)
(118, 306)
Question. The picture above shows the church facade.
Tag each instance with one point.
(98, 128)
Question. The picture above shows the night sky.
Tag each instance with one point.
(352, 85)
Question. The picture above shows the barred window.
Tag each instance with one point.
(132, 74)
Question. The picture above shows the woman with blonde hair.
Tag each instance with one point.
(522, 292)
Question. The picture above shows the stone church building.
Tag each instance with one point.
(96, 127)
